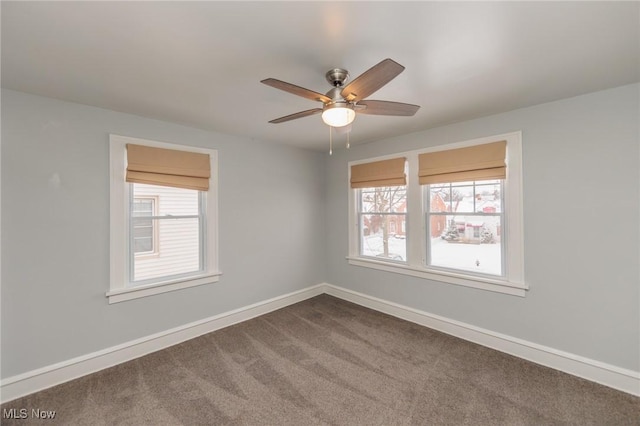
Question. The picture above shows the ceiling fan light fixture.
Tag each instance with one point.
(338, 114)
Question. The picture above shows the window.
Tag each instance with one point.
(458, 219)
(144, 231)
(464, 221)
(177, 226)
(382, 211)
(382, 200)
(163, 218)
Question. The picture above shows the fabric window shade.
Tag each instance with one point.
(379, 173)
(168, 167)
(479, 162)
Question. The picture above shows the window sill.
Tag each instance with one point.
(495, 285)
(130, 293)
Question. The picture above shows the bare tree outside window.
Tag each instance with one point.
(382, 215)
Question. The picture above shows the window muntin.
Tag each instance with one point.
(382, 215)
(464, 223)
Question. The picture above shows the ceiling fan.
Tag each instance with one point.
(341, 103)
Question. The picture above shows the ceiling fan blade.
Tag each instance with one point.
(297, 115)
(386, 108)
(371, 80)
(296, 90)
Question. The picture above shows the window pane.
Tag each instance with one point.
(471, 243)
(171, 201)
(142, 230)
(142, 244)
(475, 257)
(383, 236)
(462, 199)
(440, 198)
(388, 199)
(143, 207)
(178, 250)
(488, 198)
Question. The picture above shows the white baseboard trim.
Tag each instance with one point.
(49, 376)
(595, 371)
(52, 375)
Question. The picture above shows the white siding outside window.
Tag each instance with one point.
(177, 222)
(184, 228)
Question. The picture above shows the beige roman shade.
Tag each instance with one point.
(477, 162)
(379, 173)
(168, 167)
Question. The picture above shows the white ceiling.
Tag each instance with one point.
(200, 63)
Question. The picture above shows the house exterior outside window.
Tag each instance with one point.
(382, 211)
(461, 231)
(144, 231)
(176, 225)
(467, 217)
(163, 218)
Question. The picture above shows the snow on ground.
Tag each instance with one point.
(480, 258)
(372, 246)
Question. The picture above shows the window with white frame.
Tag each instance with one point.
(464, 223)
(381, 213)
(380, 189)
(163, 217)
(462, 212)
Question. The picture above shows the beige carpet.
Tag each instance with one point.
(327, 361)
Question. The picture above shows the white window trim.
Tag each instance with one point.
(513, 283)
(119, 290)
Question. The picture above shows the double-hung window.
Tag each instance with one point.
(464, 223)
(463, 208)
(382, 218)
(457, 219)
(177, 226)
(380, 189)
(163, 218)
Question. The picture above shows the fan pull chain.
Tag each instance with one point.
(348, 139)
(330, 142)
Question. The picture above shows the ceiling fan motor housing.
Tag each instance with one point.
(337, 77)
(335, 95)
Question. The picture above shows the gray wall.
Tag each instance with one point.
(581, 213)
(283, 226)
(55, 239)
